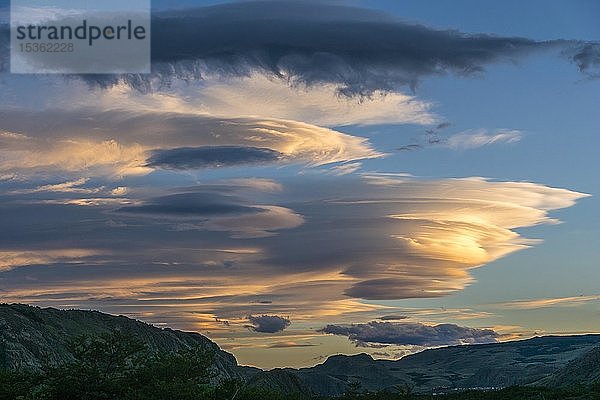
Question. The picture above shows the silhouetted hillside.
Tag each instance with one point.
(33, 339)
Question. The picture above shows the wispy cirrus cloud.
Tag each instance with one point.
(572, 301)
(345, 169)
(290, 344)
(466, 140)
(64, 187)
(474, 139)
(19, 257)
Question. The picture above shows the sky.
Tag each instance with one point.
(301, 179)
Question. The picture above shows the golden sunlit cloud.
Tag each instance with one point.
(77, 142)
(311, 251)
(277, 98)
(19, 258)
(257, 96)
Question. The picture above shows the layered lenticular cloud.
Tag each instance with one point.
(311, 247)
(129, 142)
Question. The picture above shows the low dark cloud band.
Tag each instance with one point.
(415, 334)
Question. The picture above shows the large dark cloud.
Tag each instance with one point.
(268, 323)
(361, 50)
(211, 157)
(415, 334)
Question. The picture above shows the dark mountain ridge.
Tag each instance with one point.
(31, 337)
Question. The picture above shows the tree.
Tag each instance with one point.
(100, 369)
(115, 365)
(353, 390)
(4, 364)
(180, 375)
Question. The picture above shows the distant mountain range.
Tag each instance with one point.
(31, 337)
(541, 360)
